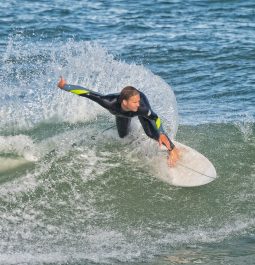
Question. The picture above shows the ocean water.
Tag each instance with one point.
(71, 191)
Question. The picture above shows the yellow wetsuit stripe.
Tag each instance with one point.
(158, 123)
(79, 91)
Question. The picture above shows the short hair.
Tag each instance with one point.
(127, 92)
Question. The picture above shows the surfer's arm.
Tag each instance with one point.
(163, 137)
(156, 124)
(173, 156)
(84, 92)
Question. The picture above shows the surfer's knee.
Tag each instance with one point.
(122, 134)
(123, 126)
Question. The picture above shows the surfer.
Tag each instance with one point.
(129, 103)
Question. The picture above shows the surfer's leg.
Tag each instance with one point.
(149, 128)
(123, 126)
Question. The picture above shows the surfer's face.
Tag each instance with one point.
(132, 104)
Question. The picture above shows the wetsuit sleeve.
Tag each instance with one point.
(156, 123)
(84, 92)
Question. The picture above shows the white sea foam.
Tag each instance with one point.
(245, 124)
(35, 98)
(20, 145)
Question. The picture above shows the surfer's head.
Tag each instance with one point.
(129, 99)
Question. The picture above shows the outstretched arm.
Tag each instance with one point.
(84, 92)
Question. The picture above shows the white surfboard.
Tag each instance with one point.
(192, 169)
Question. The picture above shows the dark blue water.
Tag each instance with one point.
(71, 191)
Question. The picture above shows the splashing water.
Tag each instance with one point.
(90, 196)
(30, 73)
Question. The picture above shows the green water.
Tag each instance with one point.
(83, 202)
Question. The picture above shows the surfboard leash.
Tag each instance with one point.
(93, 137)
(195, 171)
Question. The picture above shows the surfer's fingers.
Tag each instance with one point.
(179, 151)
(170, 160)
(173, 157)
(159, 142)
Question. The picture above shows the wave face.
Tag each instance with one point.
(30, 74)
(94, 198)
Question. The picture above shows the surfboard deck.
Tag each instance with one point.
(191, 170)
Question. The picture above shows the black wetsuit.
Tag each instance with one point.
(150, 121)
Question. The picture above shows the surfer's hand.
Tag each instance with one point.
(173, 157)
(164, 140)
(61, 82)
